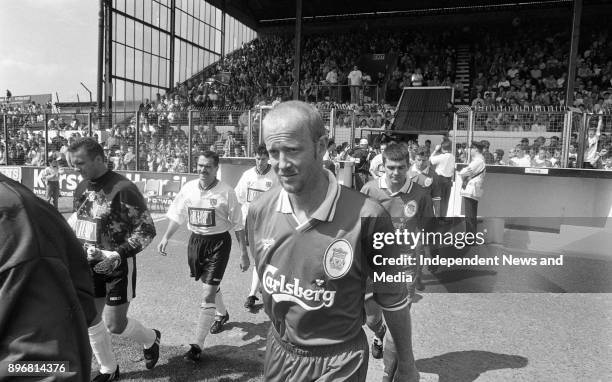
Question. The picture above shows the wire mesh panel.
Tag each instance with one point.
(227, 132)
(343, 129)
(522, 138)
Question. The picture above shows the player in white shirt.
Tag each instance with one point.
(251, 185)
(211, 209)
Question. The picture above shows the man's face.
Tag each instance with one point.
(519, 152)
(261, 161)
(395, 172)
(383, 147)
(207, 169)
(591, 133)
(295, 158)
(89, 168)
(421, 162)
(542, 154)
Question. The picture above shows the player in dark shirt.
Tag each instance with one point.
(313, 249)
(112, 221)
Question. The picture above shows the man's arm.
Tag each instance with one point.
(140, 222)
(235, 217)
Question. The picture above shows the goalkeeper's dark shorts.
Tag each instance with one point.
(347, 362)
(119, 287)
(208, 255)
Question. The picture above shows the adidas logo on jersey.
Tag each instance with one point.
(281, 290)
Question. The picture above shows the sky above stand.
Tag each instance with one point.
(49, 46)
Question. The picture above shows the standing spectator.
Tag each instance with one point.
(444, 162)
(355, 78)
(129, 159)
(361, 156)
(50, 176)
(472, 187)
(45, 288)
(332, 80)
(112, 220)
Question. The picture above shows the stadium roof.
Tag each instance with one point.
(261, 13)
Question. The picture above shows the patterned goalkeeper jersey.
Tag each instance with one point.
(112, 214)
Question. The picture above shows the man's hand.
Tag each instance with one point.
(161, 247)
(245, 262)
(94, 254)
(111, 260)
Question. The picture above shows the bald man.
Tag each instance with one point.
(314, 247)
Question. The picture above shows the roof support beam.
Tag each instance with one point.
(297, 59)
(571, 75)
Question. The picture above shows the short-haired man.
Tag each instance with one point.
(472, 189)
(211, 209)
(313, 244)
(111, 219)
(444, 163)
(355, 78)
(591, 155)
(251, 185)
(50, 176)
(361, 156)
(410, 205)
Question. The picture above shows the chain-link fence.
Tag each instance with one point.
(170, 141)
(522, 138)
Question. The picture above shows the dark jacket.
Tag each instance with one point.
(46, 287)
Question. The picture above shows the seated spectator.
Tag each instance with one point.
(498, 157)
(488, 157)
(541, 159)
(520, 159)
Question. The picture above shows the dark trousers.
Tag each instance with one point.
(445, 190)
(471, 212)
(53, 192)
(361, 178)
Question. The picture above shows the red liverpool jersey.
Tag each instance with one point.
(314, 274)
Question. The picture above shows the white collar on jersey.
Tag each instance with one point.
(326, 210)
(382, 183)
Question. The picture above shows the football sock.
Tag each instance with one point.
(221, 311)
(254, 283)
(207, 316)
(100, 341)
(134, 330)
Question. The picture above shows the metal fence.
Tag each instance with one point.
(534, 137)
(331, 93)
(169, 141)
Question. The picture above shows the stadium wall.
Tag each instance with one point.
(230, 170)
(562, 211)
